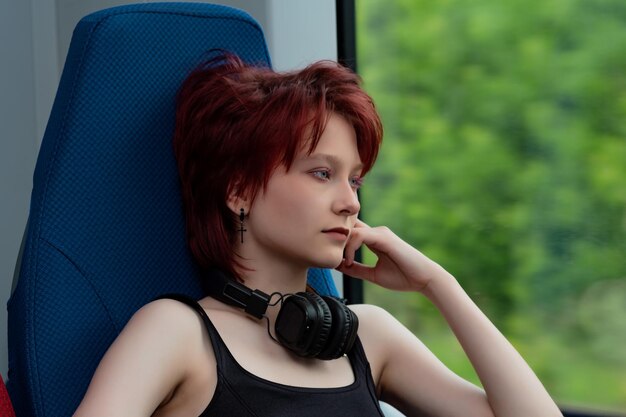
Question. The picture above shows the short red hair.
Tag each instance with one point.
(237, 123)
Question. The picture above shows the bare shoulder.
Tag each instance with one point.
(377, 325)
(384, 337)
(164, 323)
(176, 316)
(175, 332)
(374, 320)
(370, 311)
(152, 356)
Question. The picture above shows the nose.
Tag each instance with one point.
(347, 201)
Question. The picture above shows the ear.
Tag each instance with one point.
(236, 202)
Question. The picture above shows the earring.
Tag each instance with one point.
(241, 229)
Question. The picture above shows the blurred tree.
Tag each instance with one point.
(505, 160)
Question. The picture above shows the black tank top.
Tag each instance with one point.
(240, 393)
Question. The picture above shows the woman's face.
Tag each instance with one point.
(305, 214)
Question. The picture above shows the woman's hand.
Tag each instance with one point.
(399, 267)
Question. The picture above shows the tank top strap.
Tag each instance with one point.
(361, 367)
(357, 356)
(219, 347)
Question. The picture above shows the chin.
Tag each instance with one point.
(331, 262)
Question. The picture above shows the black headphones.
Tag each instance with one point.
(308, 324)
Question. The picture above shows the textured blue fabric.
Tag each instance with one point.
(106, 230)
(322, 281)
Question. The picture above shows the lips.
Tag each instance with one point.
(340, 230)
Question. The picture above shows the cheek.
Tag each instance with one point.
(292, 210)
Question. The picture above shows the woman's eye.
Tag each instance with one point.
(322, 174)
(356, 182)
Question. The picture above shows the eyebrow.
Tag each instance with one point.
(332, 159)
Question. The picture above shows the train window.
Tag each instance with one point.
(504, 160)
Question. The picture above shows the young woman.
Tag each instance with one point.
(270, 164)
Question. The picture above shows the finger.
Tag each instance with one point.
(360, 223)
(357, 270)
(354, 242)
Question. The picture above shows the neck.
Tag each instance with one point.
(277, 277)
(270, 271)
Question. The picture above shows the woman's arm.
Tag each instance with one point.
(145, 364)
(511, 387)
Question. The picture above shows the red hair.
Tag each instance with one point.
(236, 123)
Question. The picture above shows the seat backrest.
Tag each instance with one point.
(106, 229)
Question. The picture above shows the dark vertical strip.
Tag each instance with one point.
(346, 33)
(346, 54)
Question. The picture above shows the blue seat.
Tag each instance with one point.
(106, 229)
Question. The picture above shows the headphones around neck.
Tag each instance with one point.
(307, 324)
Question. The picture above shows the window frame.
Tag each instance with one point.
(346, 55)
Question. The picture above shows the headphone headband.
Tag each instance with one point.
(229, 291)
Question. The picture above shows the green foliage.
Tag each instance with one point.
(505, 161)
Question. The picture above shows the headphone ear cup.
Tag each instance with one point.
(303, 324)
(345, 325)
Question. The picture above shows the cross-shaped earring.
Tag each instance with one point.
(241, 229)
